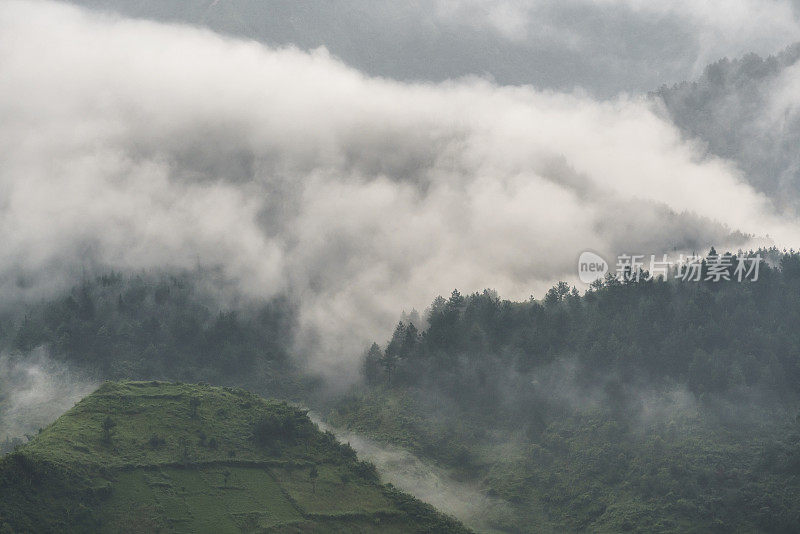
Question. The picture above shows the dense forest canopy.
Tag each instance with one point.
(643, 404)
(158, 325)
(715, 336)
(640, 405)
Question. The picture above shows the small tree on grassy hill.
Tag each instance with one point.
(108, 427)
(313, 475)
(183, 446)
(194, 404)
(156, 441)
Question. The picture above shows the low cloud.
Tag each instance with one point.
(427, 482)
(35, 390)
(135, 145)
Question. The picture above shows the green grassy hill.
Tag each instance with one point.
(160, 457)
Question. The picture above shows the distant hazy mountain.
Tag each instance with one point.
(746, 110)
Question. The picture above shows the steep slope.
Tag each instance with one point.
(159, 457)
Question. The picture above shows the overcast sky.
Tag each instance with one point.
(602, 46)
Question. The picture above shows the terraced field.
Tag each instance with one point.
(157, 457)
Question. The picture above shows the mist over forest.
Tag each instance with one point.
(376, 210)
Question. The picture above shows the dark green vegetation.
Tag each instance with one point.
(157, 457)
(715, 337)
(644, 406)
(161, 326)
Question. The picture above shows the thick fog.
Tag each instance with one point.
(603, 46)
(35, 390)
(131, 144)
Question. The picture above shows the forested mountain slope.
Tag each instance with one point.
(160, 325)
(664, 406)
(646, 406)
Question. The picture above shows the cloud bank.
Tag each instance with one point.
(135, 145)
